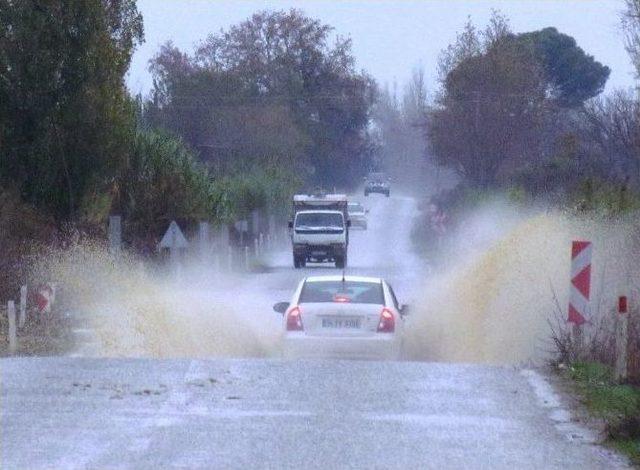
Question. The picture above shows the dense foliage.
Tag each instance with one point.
(273, 92)
(63, 104)
(522, 111)
(258, 111)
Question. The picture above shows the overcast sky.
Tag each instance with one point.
(390, 38)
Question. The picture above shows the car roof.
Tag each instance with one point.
(373, 280)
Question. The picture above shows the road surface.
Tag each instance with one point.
(135, 413)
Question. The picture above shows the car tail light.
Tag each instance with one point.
(341, 298)
(387, 322)
(294, 322)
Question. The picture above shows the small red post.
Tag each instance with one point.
(622, 339)
(622, 304)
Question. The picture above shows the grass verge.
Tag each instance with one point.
(45, 337)
(618, 405)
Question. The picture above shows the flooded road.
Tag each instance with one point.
(186, 374)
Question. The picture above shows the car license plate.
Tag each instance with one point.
(346, 323)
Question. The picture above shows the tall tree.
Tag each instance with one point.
(631, 25)
(64, 110)
(490, 109)
(571, 76)
(284, 67)
(501, 97)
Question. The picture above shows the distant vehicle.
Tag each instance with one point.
(358, 215)
(377, 183)
(320, 229)
(343, 317)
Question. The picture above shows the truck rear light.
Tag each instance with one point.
(294, 321)
(387, 322)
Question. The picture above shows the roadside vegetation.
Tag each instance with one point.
(521, 116)
(236, 126)
(617, 405)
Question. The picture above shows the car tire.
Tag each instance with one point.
(340, 262)
(297, 262)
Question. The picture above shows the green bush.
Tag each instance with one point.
(163, 182)
(262, 188)
(604, 198)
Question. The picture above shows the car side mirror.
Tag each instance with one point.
(404, 310)
(281, 307)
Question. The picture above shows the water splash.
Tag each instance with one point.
(492, 301)
(137, 311)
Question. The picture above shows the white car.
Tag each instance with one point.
(358, 215)
(342, 317)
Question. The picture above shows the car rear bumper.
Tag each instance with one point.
(380, 347)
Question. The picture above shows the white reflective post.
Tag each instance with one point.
(11, 314)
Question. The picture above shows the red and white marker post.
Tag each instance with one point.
(45, 296)
(581, 252)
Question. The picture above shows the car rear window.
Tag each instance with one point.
(338, 291)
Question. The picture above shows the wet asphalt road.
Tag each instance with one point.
(66, 413)
(99, 413)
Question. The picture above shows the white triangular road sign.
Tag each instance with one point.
(173, 238)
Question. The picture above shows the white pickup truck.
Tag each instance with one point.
(320, 229)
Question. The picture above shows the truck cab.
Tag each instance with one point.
(320, 229)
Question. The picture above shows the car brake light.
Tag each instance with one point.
(294, 322)
(387, 322)
(341, 298)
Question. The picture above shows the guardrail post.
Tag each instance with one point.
(622, 337)
(246, 258)
(23, 306)
(256, 247)
(11, 314)
(229, 257)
